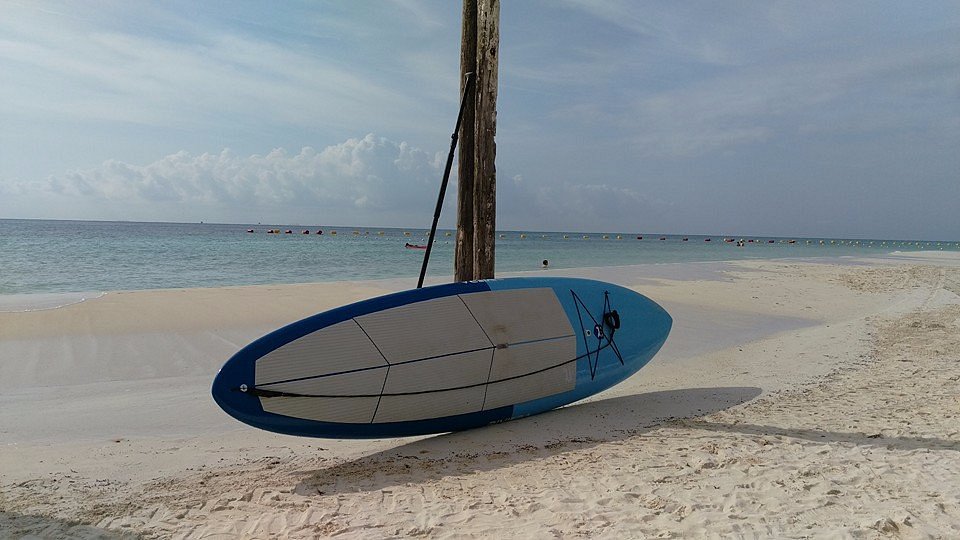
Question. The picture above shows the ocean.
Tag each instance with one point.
(44, 256)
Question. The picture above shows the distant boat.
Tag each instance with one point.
(408, 245)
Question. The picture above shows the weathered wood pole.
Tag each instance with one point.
(463, 256)
(485, 171)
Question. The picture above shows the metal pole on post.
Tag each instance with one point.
(463, 256)
(485, 176)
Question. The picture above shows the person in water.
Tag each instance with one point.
(545, 263)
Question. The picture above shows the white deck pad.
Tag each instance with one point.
(540, 359)
(344, 384)
(336, 409)
(464, 369)
(440, 357)
(430, 405)
(519, 315)
(337, 348)
(424, 330)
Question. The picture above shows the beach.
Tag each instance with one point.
(793, 398)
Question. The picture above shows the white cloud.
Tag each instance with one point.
(371, 173)
(362, 181)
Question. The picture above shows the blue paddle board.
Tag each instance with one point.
(442, 358)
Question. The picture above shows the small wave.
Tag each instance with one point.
(18, 303)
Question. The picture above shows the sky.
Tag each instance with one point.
(820, 118)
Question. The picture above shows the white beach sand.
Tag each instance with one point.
(793, 399)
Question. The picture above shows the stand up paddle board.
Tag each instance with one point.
(442, 358)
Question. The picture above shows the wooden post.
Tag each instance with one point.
(485, 171)
(463, 256)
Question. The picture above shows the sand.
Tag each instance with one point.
(794, 398)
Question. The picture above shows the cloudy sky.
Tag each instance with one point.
(778, 118)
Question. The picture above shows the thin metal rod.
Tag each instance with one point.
(467, 91)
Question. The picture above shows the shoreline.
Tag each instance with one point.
(774, 368)
(37, 301)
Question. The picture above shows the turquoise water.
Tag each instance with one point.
(39, 256)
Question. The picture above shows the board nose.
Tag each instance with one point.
(655, 323)
(664, 318)
(661, 319)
